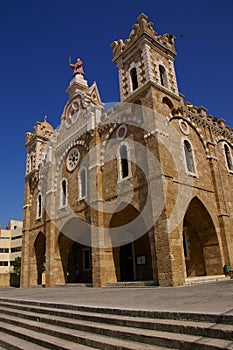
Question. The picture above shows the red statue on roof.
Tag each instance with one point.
(77, 67)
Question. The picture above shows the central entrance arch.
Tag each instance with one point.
(132, 258)
(79, 264)
(76, 258)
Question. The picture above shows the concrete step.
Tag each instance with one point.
(74, 285)
(11, 342)
(32, 340)
(112, 337)
(55, 337)
(67, 310)
(205, 279)
(132, 284)
(111, 328)
(79, 320)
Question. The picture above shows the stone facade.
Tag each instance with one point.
(73, 174)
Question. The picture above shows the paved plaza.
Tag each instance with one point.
(211, 297)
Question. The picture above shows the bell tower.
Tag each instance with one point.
(36, 143)
(146, 60)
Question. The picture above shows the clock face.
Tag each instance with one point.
(72, 159)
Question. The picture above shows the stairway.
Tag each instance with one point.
(32, 325)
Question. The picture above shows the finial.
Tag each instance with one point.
(142, 17)
(45, 118)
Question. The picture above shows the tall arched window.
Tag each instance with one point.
(63, 193)
(31, 160)
(124, 161)
(134, 78)
(82, 180)
(228, 157)
(39, 206)
(189, 157)
(163, 76)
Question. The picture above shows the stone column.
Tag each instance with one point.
(51, 271)
(103, 269)
(148, 64)
(25, 257)
(121, 76)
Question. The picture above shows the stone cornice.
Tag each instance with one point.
(223, 131)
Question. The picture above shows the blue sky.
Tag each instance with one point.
(37, 37)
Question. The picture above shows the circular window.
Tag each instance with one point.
(121, 132)
(184, 127)
(72, 159)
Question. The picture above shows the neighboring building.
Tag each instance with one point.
(192, 177)
(10, 248)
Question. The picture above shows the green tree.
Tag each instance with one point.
(17, 265)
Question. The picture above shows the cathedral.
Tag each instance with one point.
(139, 192)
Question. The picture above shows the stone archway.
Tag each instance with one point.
(132, 258)
(76, 260)
(39, 250)
(201, 246)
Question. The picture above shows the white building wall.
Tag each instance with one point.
(10, 245)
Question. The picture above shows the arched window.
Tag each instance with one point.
(31, 162)
(168, 102)
(123, 162)
(82, 180)
(134, 78)
(228, 157)
(39, 206)
(189, 157)
(63, 193)
(163, 76)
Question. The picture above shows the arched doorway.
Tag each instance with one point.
(39, 248)
(76, 260)
(127, 265)
(132, 256)
(201, 246)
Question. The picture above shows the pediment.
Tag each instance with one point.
(93, 92)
